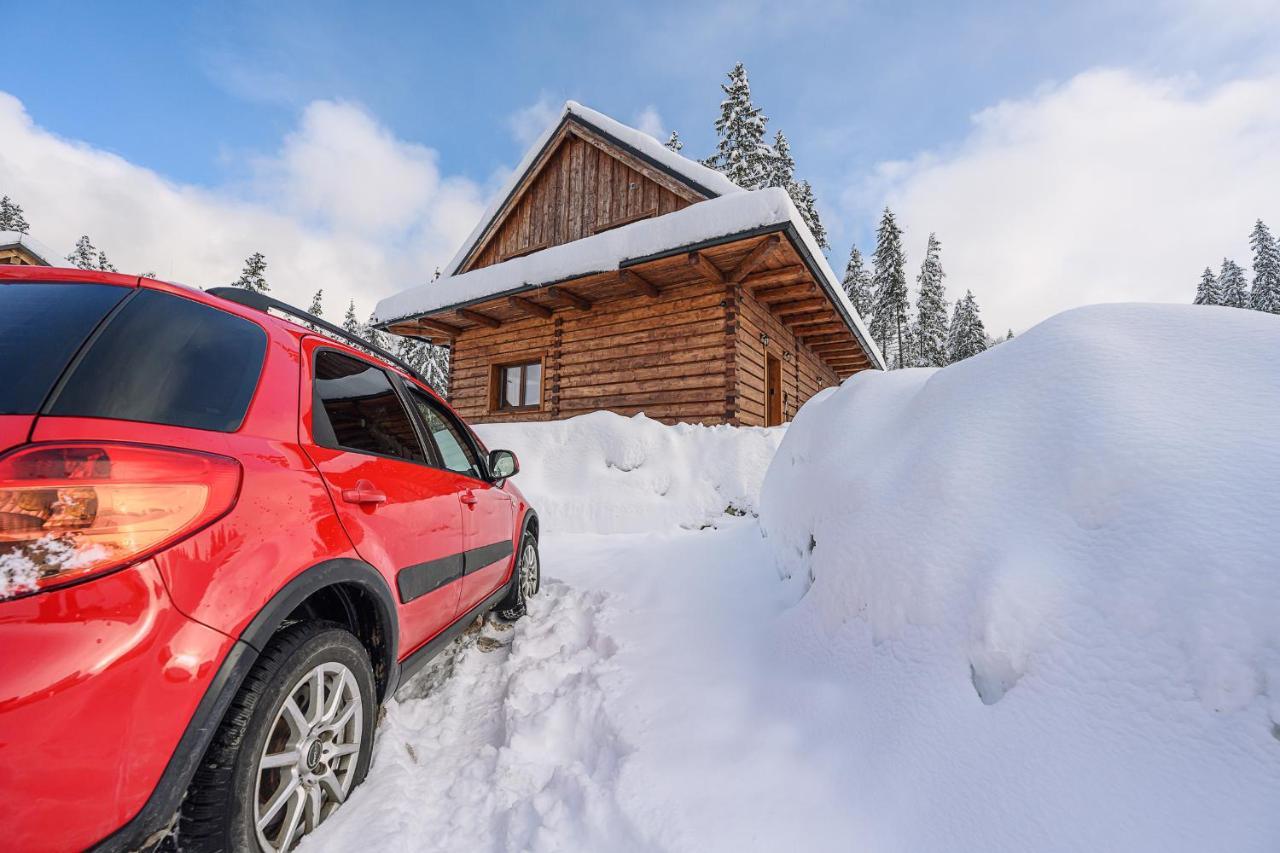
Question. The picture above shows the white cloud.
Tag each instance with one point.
(343, 205)
(1108, 188)
(528, 122)
(649, 121)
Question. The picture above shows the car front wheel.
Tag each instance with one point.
(296, 740)
(528, 581)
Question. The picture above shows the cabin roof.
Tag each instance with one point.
(704, 181)
(732, 216)
(12, 239)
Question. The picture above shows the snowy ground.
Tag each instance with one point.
(643, 705)
(1029, 602)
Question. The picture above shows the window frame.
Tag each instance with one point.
(427, 447)
(496, 382)
(480, 453)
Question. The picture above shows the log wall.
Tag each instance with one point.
(803, 374)
(664, 356)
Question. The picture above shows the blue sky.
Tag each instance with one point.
(200, 94)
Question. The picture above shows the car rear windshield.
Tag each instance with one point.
(41, 327)
(163, 359)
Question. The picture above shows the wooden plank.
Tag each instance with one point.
(784, 293)
(568, 297)
(477, 317)
(439, 326)
(531, 307)
(754, 258)
(799, 306)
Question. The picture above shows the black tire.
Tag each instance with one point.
(515, 604)
(217, 815)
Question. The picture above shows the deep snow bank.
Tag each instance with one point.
(603, 473)
(1053, 571)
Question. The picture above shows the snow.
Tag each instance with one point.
(1053, 574)
(17, 238)
(642, 142)
(707, 220)
(1026, 602)
(603, 473)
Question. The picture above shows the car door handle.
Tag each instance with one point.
(364, 493)
(468, 497)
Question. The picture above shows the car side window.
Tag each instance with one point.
(356, 408)
(455, 452)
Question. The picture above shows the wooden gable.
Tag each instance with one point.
(581, 184)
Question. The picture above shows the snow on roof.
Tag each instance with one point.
(708, 179)
(35, 247)
(699, 223)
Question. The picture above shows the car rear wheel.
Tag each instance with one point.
(528, 581)
(296, 740)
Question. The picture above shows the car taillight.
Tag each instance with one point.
(68, 511)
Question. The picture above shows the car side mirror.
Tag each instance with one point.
(503, 464)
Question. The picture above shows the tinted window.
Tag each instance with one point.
(41, 327)
(455, 452)
(168, 360)
(357, 409)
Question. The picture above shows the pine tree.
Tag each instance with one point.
(1207, 292)
(84, 256)
(857, 284)
(741, 153)
(802, 194)
(317, 304)
(968, 336)
(889, 314)
(929, 334)
(351, 323)
(1265, 295)
(673, 142)
(105, 265)
(430, 361)
(780, 166)
(11, 218)
(253, 276)
(1231, 286)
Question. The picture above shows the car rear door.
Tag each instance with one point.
(403, 514)
(489, 512)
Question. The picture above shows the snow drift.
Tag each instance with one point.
(604, 473)
(1053, 572)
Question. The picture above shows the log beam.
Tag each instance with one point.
(754, 258)
(433, 325)
(768, 278)
(800, 306)
(577, 300)
(530, 307)
(709, 271)
(478, 318)
(639, 282)
(773, 294)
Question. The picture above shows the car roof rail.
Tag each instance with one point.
(264, 303)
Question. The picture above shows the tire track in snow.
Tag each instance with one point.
(503, 744)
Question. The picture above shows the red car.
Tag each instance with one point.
(224, 540)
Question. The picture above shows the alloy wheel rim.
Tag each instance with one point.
(308, 764)
(529, 571)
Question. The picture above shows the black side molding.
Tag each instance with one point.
(417, 580)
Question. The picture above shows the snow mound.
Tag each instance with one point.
(1053, 571)
(604, 473)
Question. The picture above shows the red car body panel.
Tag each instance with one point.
(101, 678)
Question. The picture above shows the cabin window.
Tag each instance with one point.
(517, 387)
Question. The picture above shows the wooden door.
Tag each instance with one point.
(772, 391)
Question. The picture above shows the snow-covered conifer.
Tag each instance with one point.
(1231, 285)
(254, 275)
(968, 336)
(317, 304)
(858, 285)
(929, 333)
(351, 322)
(1207, 292)
(1265, 295)
(105, 265)
(11, 218)
(741, 152)
(889, 322)
(84, 256)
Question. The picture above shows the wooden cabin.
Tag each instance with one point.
(17, 248)
(612, 273)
